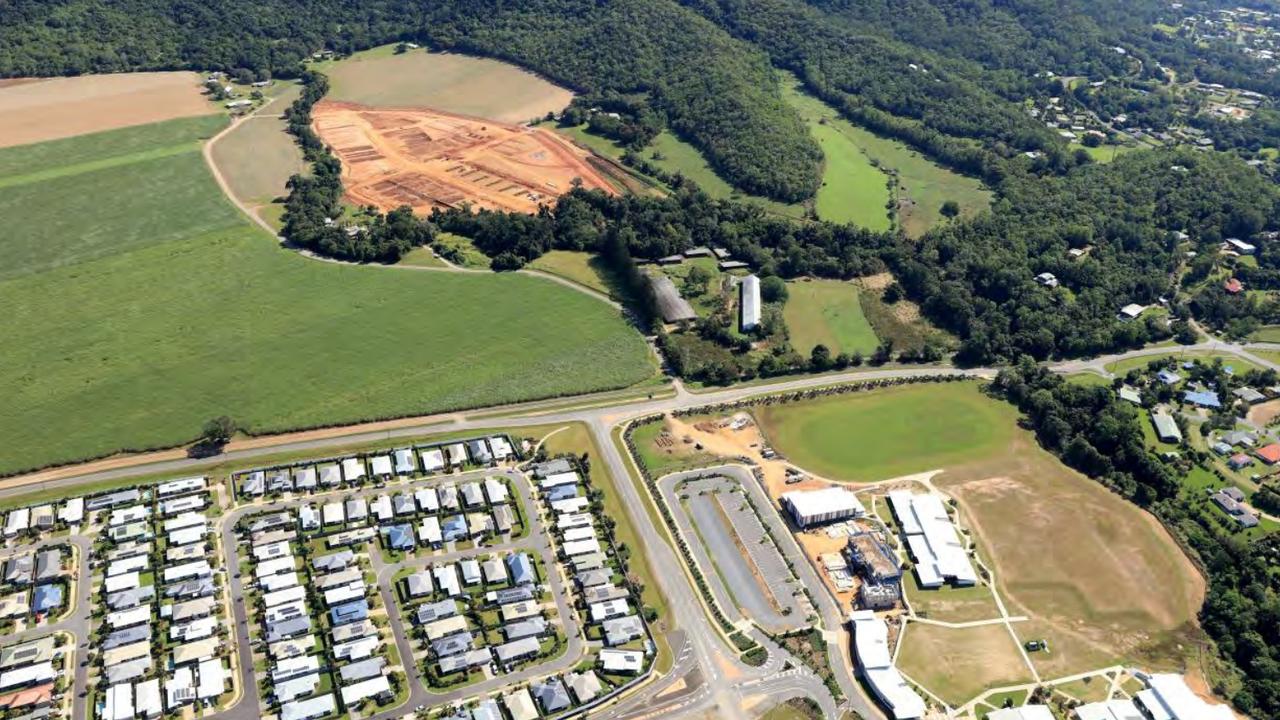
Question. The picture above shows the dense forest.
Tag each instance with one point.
(1096, 433)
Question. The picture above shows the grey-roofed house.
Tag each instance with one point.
(529, 627)
(430, 612)
(253, 484)
(590, 561)
(403, 504)
(585, 686)
(122, 672)
(333, 561)
(451, 644)
(19, 569)
(290, 628)
(1166, 428)
(552, 467)
(462, 661)
(592, 578)
(604, 593)
(362, 670)
(551, 695)
(479, 451)
(127, 636)
(521, 569)
(618, 631)
(472, 495)
(487, 710)
(1249, 395)
(418, 584)
(509, 652)
(470, 571)
(494, 570)
(48, 565)
(110, 500)
(510, 595)
(134, 597)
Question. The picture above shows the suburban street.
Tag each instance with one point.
(707, 674)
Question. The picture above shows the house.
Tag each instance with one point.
(380, 466)
(399, 537)
(496, 491)
(1131, 311)
(726, 265)
(457, 453)
(1168, 377)
(432, 460)
(447, 580)
(551, 695)
(500, 448)
(430, 612)
(1047, 279)
(1221, 448)
(520, 705)
(46, 598)
(253, 484)
(404, 462)
(429, 532)
(479, 451)
(333, 514)
(418, 584)
(585, 685)
(1166, 428)
(403, 504)
(309, 709)
(1269, 454)
(357, 510)
(470, 571)
(1240, 437)
(330, 475)
(448, 497)
(427, 499)
(749, 304)
(1239, 461)
(529, 627)
(381, 508)
(521, 569)
(1239, 247)
(304, 478)
(472, 495)
(352, 469)
(621, 662)
(1131, 395)
(1249, 395)
(1202, 398)
(606, 610)
(308, 517)
(1233, 286)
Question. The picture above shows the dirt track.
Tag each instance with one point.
(427, 159)
(34, 110)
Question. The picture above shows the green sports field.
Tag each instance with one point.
(862, 437)
(827, 312)
(130, 329)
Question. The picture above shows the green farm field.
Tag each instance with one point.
(853, 190)
(827, 312)
(189, 312)
(868, 436)
(461, 84)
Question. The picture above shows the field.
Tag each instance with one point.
(258, 157)
(1100, 580)
(105, 194)
(133, 328)
(580, 267)
(48, 109)
(443, 81)
(957, 664)
(428, 159)
(827, 312)
(853, 189)
(869, 436)
(1235, 362)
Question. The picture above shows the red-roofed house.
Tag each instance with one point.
(38, 695)
(1233, 286)
(1269, 454)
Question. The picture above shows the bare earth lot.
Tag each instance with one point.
(35, 110)
(453, 83)
(428, 158)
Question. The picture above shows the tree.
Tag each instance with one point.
(820, 358)
(219, 430)
(773, 289)
(1092, 140)
(950, 209)
(695, 283)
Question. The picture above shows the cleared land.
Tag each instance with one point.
(584, 268)
(1235, 362)
(202, 315)
(957, 664)
(853, 189)
(427, 159)
(827, 312)
(48, 109)
(868, 436)
(258, 157)
(453, 83)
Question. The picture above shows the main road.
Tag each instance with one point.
(706, 675)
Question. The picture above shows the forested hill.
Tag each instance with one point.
(946, 76)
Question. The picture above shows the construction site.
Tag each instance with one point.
(431, 159)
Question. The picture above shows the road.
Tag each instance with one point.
(709, 672)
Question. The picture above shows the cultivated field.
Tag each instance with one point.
(428, 159)
(135, 327)
(47, 109)
(827, 312)
(259, 155)
(957, 664)
(862, 437)
(443, 81)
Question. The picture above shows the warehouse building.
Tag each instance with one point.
(815, 507)
(750, 303)
(671, 306)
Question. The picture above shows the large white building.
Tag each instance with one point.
(814, 507)
(750, 302)
(871, 645)
(939, 552)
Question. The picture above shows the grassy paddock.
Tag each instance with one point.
(827, 312)
(958, 664)
(258, 157)
(580, 267)
(863, 437)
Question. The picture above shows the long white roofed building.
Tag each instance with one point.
(940, 554)
(871, 645)
(750, 302)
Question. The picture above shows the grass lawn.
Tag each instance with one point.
(958, 664)
(950, 604)
(827, 312)
(1266, 333)
(444, 81)
(1237, 363)
(421, 257)
(853, 189)
(879, 435)
(1089, 378)
(470, 256)
(1103, 153)
(199, 314)
(580, 267)
(258, 157)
